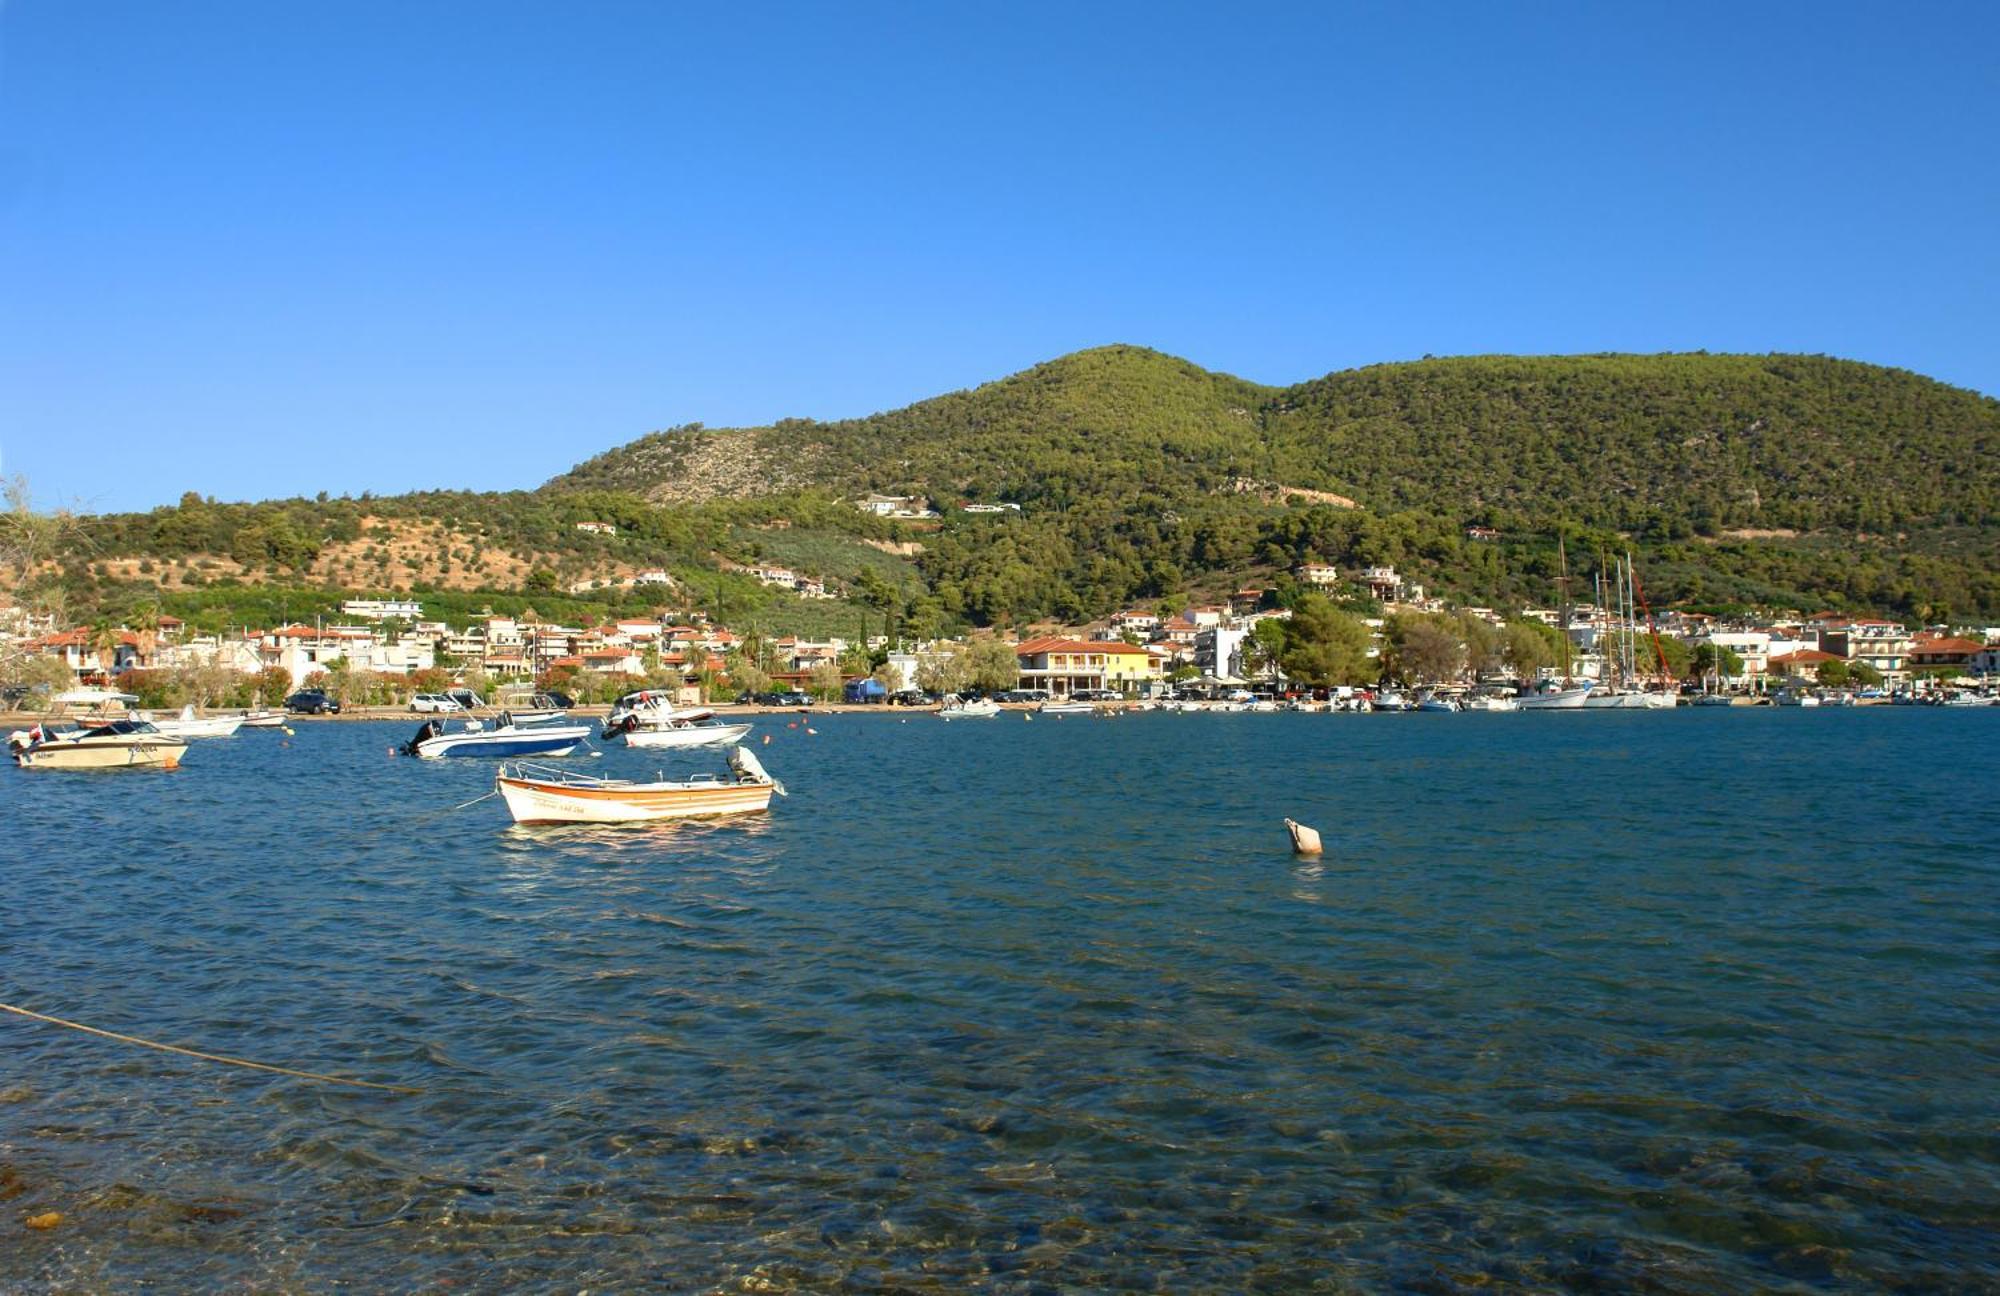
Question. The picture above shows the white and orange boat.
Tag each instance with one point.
(539, 794)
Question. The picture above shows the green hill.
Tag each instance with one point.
(1788, 481)
(1794, 442)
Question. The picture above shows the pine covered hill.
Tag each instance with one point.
(1662, 444)
(1785, 482)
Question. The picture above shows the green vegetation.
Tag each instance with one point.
(1740, 481)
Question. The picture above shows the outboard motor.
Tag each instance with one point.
(429, 729)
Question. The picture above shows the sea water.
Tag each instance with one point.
(1690, 1002)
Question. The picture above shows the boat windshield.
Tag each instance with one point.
(119, 728)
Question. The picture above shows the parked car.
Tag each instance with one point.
(312, 702)
(913, 697)
(1098, 695)
(1022, 695)
(434, 702)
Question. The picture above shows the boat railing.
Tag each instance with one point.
(556, 774)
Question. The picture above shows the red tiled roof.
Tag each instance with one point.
(1034, 647)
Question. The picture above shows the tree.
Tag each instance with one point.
(994, 665)
(1714, 659)
(1325, 646)
(29, 539)
(1263, 647)
(1526, 649)
(744, 674)
(1485, 646)
(1862, 673)
(1833, 674)
(1424, 650)
(825, 680)
(945, 672)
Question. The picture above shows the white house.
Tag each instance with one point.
(382, 609)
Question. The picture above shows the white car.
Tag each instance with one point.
(433, 702)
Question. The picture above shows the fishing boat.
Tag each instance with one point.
(116, 744)
(504, 738)
(538, 795)
(1064, 706)
(189, 725)
(1492, 702)
(670, 728)
(1437, 702)
(261, 719)
(957, 708)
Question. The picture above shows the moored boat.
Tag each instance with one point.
(189, 725)
(670, 728)
(505, 738)
(1553, 699)
(957, 708)
(1064, 706)
(117, 744)
(537, 795)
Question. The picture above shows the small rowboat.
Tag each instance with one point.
(540, 795)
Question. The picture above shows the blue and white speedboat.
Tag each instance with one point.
(504, 738)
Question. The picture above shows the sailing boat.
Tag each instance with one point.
(1623, 695)
(1545, 696)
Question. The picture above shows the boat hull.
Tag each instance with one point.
(533, 801)
(692, 736)
(1628, 702)
(212, 727)
(88, 755)
(1567, 700)
(504, 743)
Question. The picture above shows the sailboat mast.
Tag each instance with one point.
(1562, 585)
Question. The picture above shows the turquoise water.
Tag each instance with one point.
(1693, 1002)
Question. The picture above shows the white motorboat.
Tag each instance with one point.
(1553, 699)
(528, 707)
(261, 719)
(504, 738)
(188, 725)
(118, 744)
(1492, 702)
(1064, 707)
(648, 719)
(679, 729)
(1628, 700)
(539, 795)
(1795, 698)
(957, 708)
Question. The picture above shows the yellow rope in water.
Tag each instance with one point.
(206, 1057)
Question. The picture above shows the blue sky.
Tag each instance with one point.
(262, 250)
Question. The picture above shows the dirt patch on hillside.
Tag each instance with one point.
(900, 548)
(1277, 492)
(407, 553)
(725, 465)
(391, 554)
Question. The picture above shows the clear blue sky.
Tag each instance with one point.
(259, 250)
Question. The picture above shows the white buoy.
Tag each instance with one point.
(1305, 841)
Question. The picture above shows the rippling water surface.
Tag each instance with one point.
(1699, 1002)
